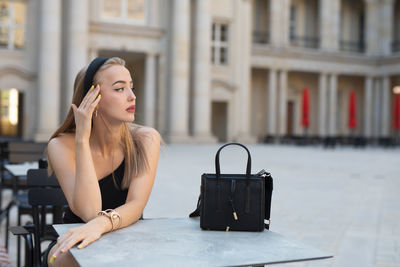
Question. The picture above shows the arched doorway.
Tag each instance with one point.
(219, 120)
(222, 110)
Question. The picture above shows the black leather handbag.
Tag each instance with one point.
(234, 202)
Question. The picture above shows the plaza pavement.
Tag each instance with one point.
(344, 201)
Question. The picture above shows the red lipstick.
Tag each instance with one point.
(131, 109)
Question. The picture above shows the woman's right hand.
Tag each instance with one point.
(84, 234)
(84, 113)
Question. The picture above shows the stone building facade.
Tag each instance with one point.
(207, 71)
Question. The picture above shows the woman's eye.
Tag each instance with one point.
(119, 89)
(133, 88)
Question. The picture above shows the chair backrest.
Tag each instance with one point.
(40, 178)
(20, 151)
(43, 192)
(46, 197)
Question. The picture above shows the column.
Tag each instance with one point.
(150, 90)
(76, 48)
(387, 8)
(282, 102)
(279, 31)
(376, 118)
(330, 24)
(201, 73)
(272, 102)
(245, 34)
(49, 69)
(385, 107)
(322, 93)
(154, 9)
(371, 27)
(179, 73)
(332, 104)
(92, 54)
(367, 106)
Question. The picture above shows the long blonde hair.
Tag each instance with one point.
(132, 141)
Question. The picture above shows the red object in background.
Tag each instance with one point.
(305, 119)
(396, 112)
(352, 110)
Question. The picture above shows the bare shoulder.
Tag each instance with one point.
(148, 133)
(63, 143)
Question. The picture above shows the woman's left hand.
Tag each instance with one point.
(85, 234)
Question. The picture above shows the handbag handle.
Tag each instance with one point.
(217, 168)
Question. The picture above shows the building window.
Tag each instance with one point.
(292, 23)
(131, 11)
(352, 26)
(261, 21)
(220, 38)
(12, 24)
(9, 112)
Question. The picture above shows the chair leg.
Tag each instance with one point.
(36, 247)
(7, 225)
(1, 193)
(7, 214)
(28, 251)
(19, 241)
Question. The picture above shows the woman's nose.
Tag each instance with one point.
(131, 95)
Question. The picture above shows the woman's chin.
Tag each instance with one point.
(131, 118)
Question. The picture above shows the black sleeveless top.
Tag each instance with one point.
(111, 196)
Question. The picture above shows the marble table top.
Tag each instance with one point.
(22, 168)
(181, 242)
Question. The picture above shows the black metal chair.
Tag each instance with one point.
(14, 152)
(17, 152)
(44, 193)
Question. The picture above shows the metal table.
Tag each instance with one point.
(20, 170)
(181, 242)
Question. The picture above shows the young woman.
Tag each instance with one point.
(105, 164)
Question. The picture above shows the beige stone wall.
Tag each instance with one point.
(223, 9)
(259, 106)
(256, 84)
(343, 69)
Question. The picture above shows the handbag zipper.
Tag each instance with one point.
(233, 209)
(233, 189)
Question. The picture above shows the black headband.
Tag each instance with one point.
(91, 71)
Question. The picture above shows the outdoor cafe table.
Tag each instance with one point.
(20, 170)
(181, 242)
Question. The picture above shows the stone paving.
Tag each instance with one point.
(344, 201)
